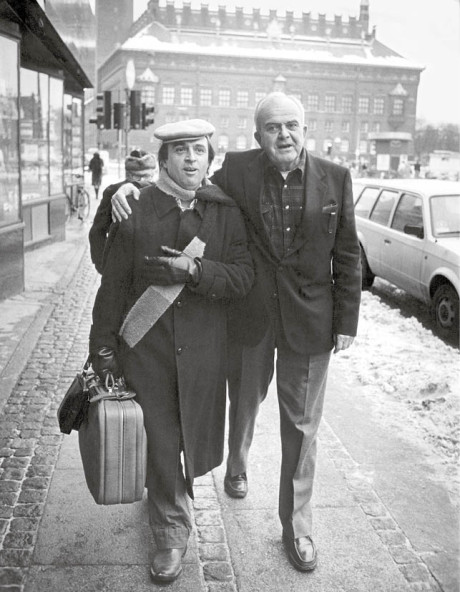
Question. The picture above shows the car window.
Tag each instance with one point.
(365, 201)
(383, 207)
(408, 211)
(445, 215)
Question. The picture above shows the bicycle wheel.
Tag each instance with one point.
(83, 204)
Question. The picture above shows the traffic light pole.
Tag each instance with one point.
(127, 121)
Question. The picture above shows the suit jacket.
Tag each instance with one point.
(317, 283)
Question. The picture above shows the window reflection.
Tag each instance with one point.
(9, 157)
(55, 136)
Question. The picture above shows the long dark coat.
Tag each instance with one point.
(190, 339)
(318, 280)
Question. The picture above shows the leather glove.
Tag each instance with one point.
(104, 361)
(179, 268)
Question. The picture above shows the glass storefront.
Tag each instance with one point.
(73, 138)
(9, 126)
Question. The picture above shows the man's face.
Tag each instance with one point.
(281, 133)
(187, 162)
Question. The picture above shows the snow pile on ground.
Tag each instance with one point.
(410, 364)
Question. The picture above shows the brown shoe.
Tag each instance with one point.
(236, 486)
(301, 552)
(167, 565)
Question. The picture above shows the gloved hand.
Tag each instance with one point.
(104, 361)
(179, 268)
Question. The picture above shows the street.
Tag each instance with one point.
(386, 496)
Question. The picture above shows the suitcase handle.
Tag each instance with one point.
(114, 390)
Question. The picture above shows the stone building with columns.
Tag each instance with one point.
(359, 95)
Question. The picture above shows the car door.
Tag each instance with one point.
(367, 232)
(379, 242)
(404, 252)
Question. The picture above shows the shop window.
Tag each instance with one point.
(34, 109)
(222, 143)
(344, 146)
(9, 128)
(241, 143)
(55, 136)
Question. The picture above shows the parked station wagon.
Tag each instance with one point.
(409, 232)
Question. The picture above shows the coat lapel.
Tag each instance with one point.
(315, 189)
(253, 182)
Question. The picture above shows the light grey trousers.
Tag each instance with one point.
(301, 384)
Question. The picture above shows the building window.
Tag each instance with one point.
(376, 126)
(363, 146)
(186, 95)
(328, 126)
(329, 103)
(398, 106)
(242, 122)
(311, 144)
(170, 118)
(345, 126)
(148, 96)
(364, 127)
(297, 95)
(242, 98)
(259, 95)
(312, 125)
(363, 105)
(344, 146)
(379, 105)
(224, 97)
(56, 155)
(169, 95)
(224, 122)
(206, 96)
(9, 126)
(313, 102)
(222, 143)
(241, 143)
(347, 104)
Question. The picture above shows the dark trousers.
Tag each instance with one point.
(301, 383)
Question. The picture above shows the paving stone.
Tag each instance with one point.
(220, 571)
(19, 540)
(209, 517)
(417, 572)
(7, 485)
(211, 534)
(15, 557)
(392, 537)
(221, 587)
(28, 510)
(383, 523)
(214, 552)
(24, 524)
(401, 554)
(29, 496)
(10, 576)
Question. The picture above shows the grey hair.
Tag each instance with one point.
(274, 95)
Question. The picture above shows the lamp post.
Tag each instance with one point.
(130, 75)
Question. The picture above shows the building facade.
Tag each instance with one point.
(359, 96)
(41, 133)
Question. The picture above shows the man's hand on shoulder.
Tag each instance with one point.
(342, 342)
(120, 207)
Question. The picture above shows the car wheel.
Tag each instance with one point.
(367, 276)
(445, 309)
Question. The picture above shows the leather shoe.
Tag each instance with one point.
(236, 486)
(301, 552)
(167, 565)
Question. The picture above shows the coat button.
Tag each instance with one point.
(275, 295)
(179, 304)
(179, 350)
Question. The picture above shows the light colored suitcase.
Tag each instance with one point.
(113, 449)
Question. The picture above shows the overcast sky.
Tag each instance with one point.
(425, 31)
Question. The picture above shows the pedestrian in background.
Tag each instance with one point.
(160, 319)
(141, 170)
(96, 166)
(299, 216)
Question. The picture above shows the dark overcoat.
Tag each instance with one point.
(318, 280)
(185, 351)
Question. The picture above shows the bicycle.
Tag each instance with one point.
(78, 201)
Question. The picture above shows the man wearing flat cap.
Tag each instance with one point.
(140, 170)
(160, 319)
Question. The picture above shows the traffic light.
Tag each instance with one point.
(103, 117)
(147, 116)
(107, 109)
(135, 109)
(118, 116)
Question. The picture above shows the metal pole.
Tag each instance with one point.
(127, 114)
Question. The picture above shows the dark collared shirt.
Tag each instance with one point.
(282, 204)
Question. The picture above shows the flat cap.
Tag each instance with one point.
(189, 129)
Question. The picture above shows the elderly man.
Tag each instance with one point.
(299, 216)
(140, 170)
